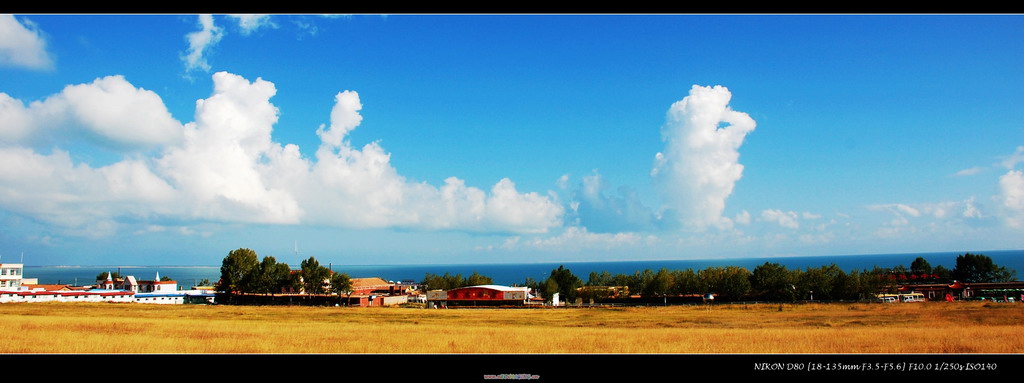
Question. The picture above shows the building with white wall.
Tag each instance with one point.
(160, 299)
(39, 295)
(130, 283)
(11, 275)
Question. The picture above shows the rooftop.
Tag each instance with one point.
(497, 287)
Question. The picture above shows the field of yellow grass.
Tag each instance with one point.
(800, 328)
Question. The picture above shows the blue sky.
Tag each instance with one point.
(369, 139)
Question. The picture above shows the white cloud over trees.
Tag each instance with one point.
(225, 167)
(700, 165)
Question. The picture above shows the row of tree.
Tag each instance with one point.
(770, 281)
(971, 268)
(448, 281)
(242, 272)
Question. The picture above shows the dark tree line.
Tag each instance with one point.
(242, 273)
(771, 281)
(448, 281)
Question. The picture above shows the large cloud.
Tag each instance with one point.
(217, 168)
(110, 110)
(700, 165)
(359, 187)
(224, 167)
(76, 197)
(22, 45)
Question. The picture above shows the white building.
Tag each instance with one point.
(130, 283)
(10, 275)
(160, 299)
(38, 295)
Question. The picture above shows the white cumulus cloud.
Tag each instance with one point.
(359, 187)
(199, 43)
(81, 199)
(700, 165)
(1011, 197)
(217, 169)
(22, 45)
(225, 167)
(576, 238)
(809, 215)
(109, 109)
(1012, 160)
(784, 219)
(743, 218)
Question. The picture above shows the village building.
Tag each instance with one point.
(45, 287)
(160, 298)
(956, 290)
(482, 295)
(130, 283)
(40, 295)
(11, 276)
(375, 292)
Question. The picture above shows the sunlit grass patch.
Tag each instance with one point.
(797, 328)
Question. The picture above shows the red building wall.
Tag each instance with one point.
(476, 294)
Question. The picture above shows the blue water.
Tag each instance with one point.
(508, 274)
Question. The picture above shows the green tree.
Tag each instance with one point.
(103, 276)
(314, 276)
(602, 279)
(622, 280)
(443, 282)
(942, 272)
(564, 282)
(659, 285)
(920, 266)
(550, 288)
(773, 282)
(236, 271)
(865, 284)
(341, 284)
(271, 277)
(639, 280)
(980, 268)
(730, 282)
(685, 282)
(165, 278)
(476, 279)
(820, 281)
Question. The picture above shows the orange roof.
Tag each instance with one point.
(368, 282)
(47, 287)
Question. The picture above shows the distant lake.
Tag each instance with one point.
(507, 274)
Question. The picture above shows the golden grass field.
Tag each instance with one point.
(937, 327)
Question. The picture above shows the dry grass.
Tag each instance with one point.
(812, 328)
